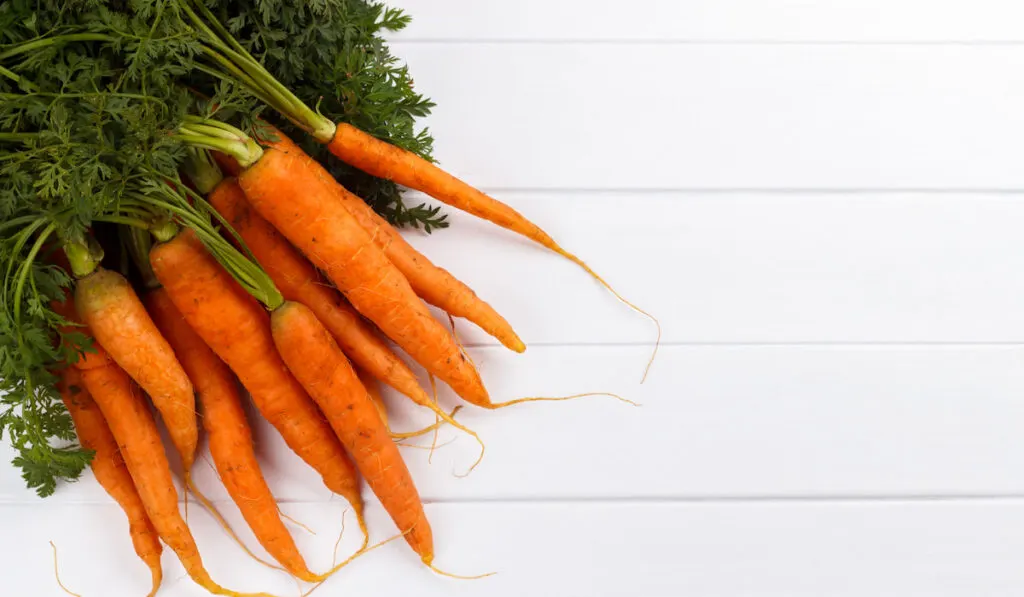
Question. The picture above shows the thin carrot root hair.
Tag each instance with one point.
(560, 399)
(419, 447)
(458, 341)
(622, 299)
(337, 544)
(437, 418)
(401, 435)
(281, 513)
(56, 573)
(212, 509)
(322, 578)
(437, 570)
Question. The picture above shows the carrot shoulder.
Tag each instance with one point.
(285, 189)
(229, 434)
(433, 284)
(116, 317)
(298, 280)
(109, 468)
(237, 329)
(315, 359)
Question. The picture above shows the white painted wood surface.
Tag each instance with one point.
(823, 203)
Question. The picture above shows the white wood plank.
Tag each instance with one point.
(655, 116)
(943, 549)
(715, 20)
(715, 422)
(717, 267)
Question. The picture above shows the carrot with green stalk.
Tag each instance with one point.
(432, 283)
(194, 280)
(219, 293)
(230, 60)
(299, 281)
(282, 188)
(123, 406)
(109, 306)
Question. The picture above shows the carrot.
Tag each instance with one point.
(118, 320)
(284, 189)
(230, 436)
(237, 329)
(374, 392)
(109, 468)
(124, 408)
(316, 361)
(432, 283)
(299, 281)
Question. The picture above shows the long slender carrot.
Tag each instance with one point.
(109, 306)
(229, 434)
(283, 188)
(109, 468)
(314, 357)
(432, 283)
(384, 160)
(237, 329)
(298, 280)
(124, 408)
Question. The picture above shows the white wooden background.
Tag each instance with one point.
(823, 201)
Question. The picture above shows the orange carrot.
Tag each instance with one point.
(432, 283)
(230, 436)
(373, 390)
(237, 328)
(384, 160)
(284, 189)
(125, 410)
(116, 317)
(110, 470)
(314, 357)
(299, 281)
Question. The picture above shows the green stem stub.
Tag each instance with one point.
(202, 170)
(84, 256)
(222, 137)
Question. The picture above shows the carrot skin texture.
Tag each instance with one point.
(116, 317)
(314, 357)
(373, 390)
(237, 329)
(433, 284)
(86, 360)
(124, 408)
(230, 436)
(298, 280)
(110, 470)
(383, 160)
(286, 190)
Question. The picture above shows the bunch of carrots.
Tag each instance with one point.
(257, 266)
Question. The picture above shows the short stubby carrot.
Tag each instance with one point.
(298, 280)
(132, 425)
(237, 328)
(109, 468)
(314, 357)
(432, 283)
(284, 189)
(116, 317)
(230, 436)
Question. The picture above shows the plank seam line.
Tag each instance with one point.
(691, 500)
(654, 41)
